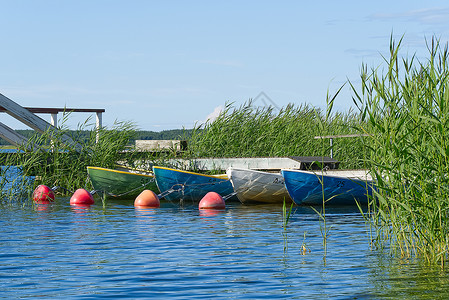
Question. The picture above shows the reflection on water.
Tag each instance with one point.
(117, 251)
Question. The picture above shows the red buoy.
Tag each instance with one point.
(147, 199)
(82, 197)
(212, 200)
(43, 194)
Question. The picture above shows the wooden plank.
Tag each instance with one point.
(33, 121)
(155, 145)
(13, 137)
(55, 110)
(272, 164)
(254, 163)
(311, 159)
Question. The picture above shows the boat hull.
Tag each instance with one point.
(190, 186)
(312, 188)
(258, 186)
(120, 184)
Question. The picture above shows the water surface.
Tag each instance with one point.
(117, 251)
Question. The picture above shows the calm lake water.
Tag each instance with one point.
(113, 250)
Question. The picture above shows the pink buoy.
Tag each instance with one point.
(82, 197)
(147, 199)
(43, 194)
(212, 200)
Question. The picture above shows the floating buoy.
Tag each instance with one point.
(212, 200)
(147, 199)
(82, 197)
(43, 194)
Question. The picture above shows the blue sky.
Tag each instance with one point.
(171, 64)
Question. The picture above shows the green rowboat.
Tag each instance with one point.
(121, 183)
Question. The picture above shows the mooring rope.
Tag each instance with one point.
(122, 194)
(171, 190)
(179, 187)
(207, 183)
(197, 186)
(226, 197)
(55, 188)
(130, 191)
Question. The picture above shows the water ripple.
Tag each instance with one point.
(242, 252)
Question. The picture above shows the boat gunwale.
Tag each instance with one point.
(218, 176)
(119, 171)
(322, 173)
(255, 171)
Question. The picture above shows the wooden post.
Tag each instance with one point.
(13, 137)
(54, 119)
(54, 122)
(331, 137)
(98, 125)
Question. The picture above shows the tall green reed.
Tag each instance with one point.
(286, 213)
(55, 163)
(405, 109)
(248, 131)
(323, 125)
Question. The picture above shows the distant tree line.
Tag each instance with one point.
(174, 134)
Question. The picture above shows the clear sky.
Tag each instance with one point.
(168, 64)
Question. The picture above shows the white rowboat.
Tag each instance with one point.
(258, 186)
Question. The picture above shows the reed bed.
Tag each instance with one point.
(249, 131)
(55, 163)
(405, 109)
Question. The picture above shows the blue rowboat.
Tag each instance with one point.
(179, 185)
(336, 187)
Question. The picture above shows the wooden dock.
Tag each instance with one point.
(259, 163)
(160, 145)
(27, 116)
(271, 164)
(254, 163)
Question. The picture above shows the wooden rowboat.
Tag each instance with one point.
(185, 185)
(336, 187)
(121, 183)
(258, 186)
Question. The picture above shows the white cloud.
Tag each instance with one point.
(212, 116)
